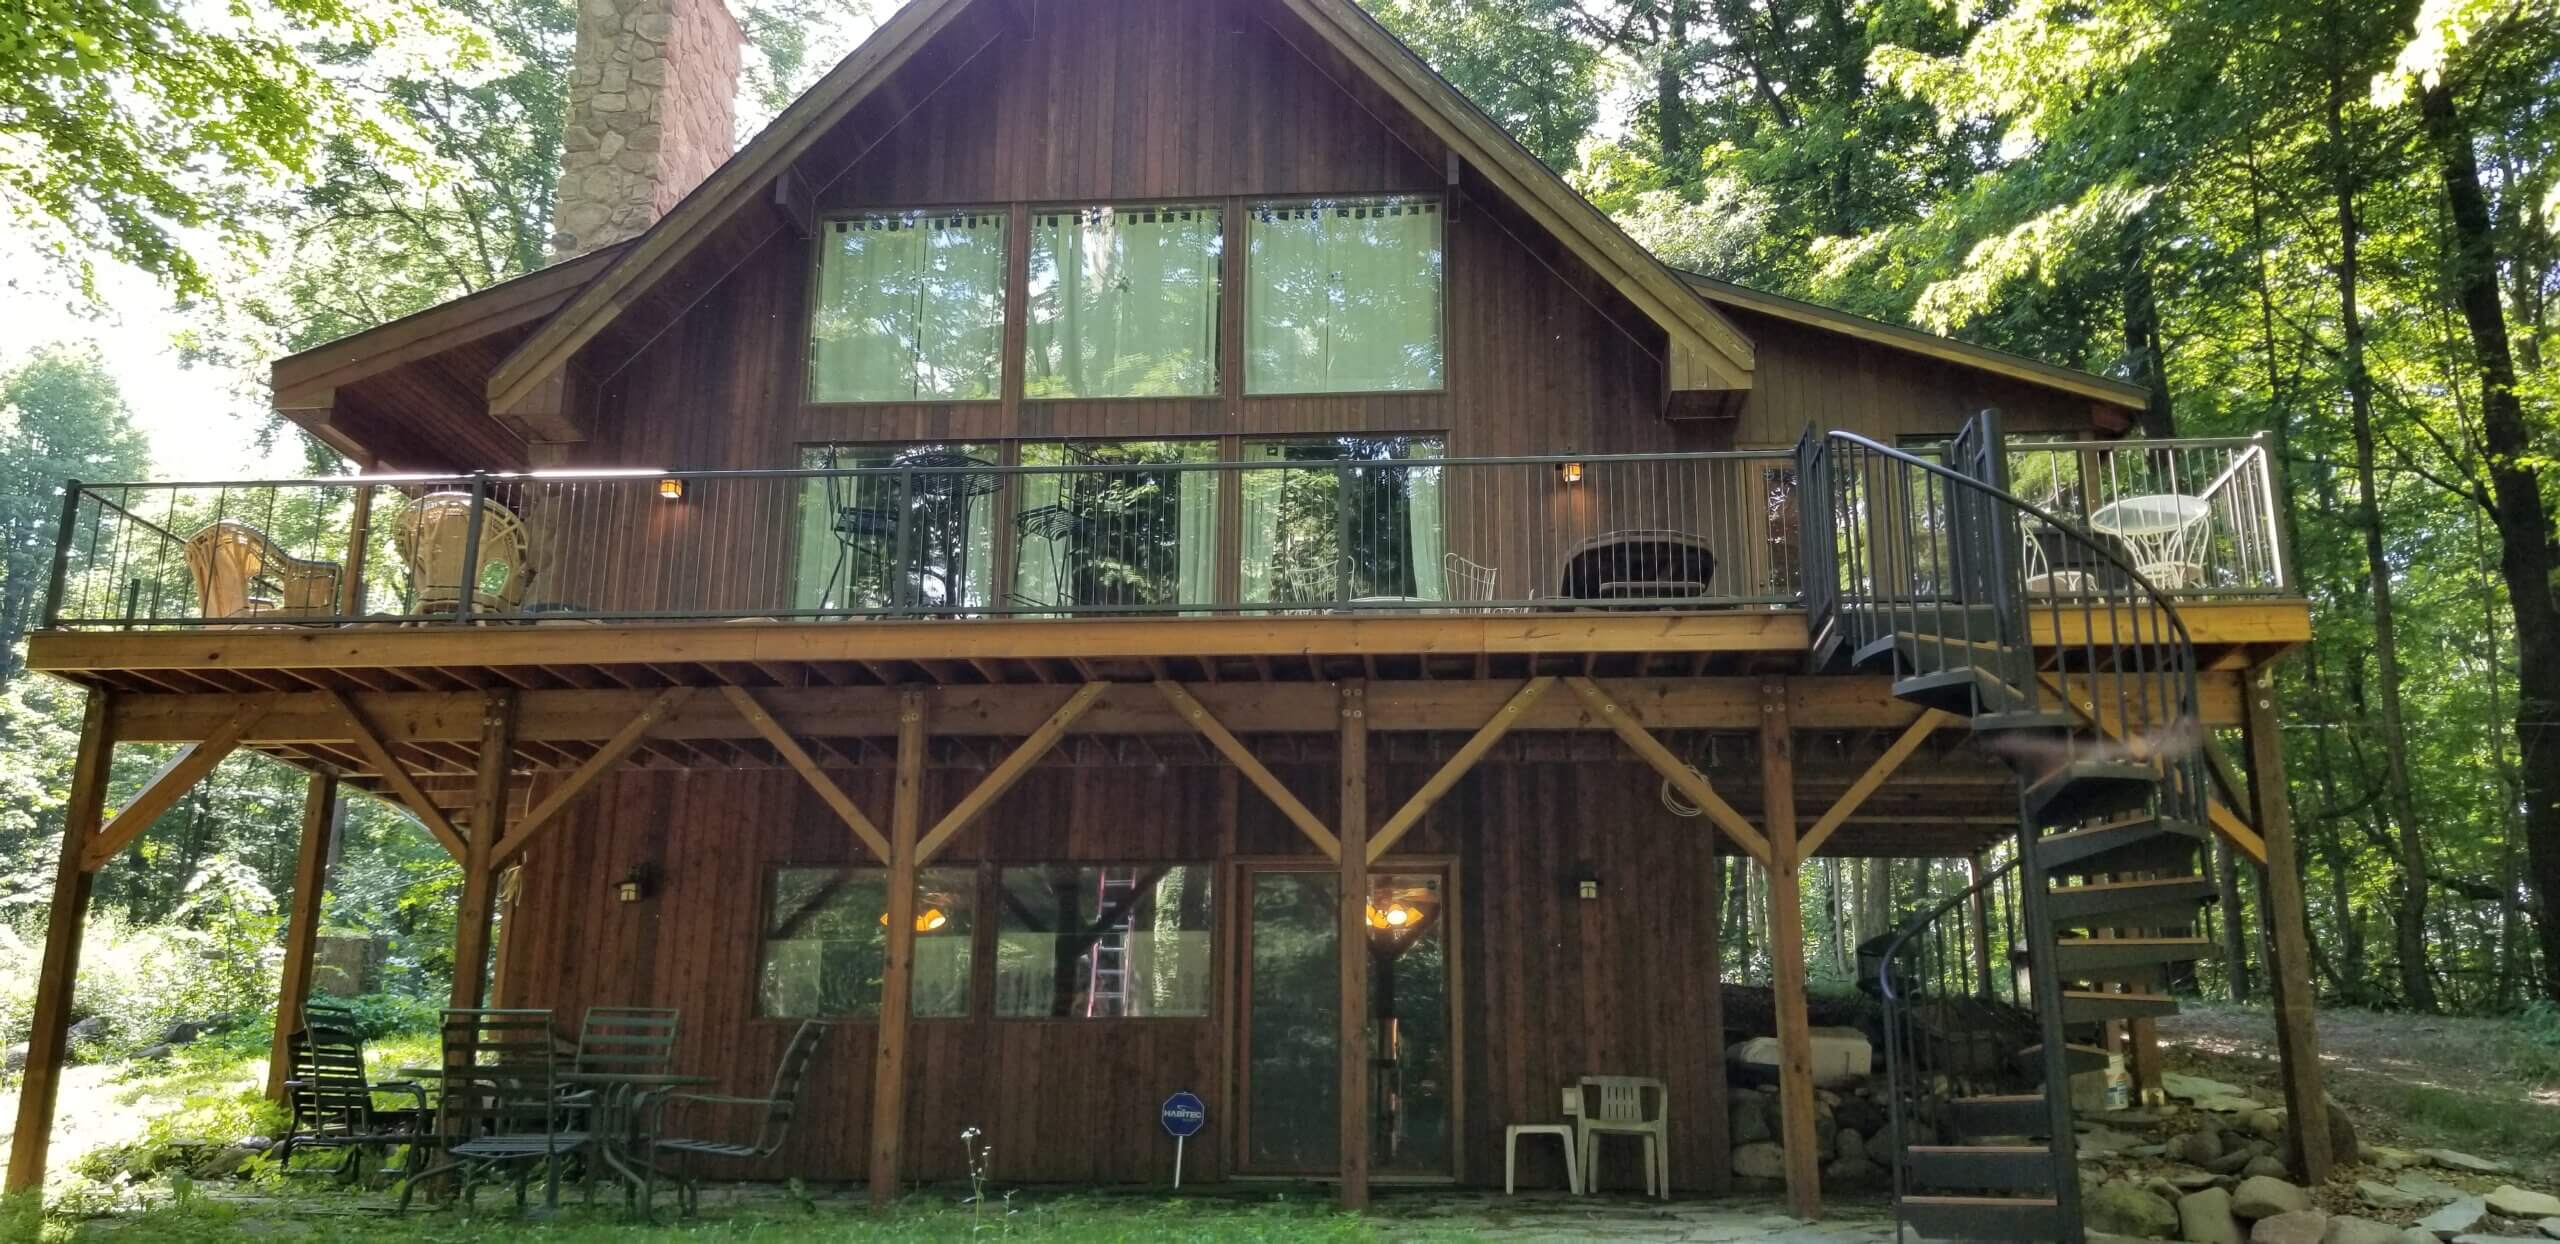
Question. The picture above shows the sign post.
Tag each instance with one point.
(1183, 1113)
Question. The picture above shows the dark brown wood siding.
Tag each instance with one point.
(1551, 985)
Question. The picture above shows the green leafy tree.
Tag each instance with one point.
(61, 418)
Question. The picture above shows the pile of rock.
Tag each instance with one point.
(1850, 1124)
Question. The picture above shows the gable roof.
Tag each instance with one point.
(1706, 351)
(1896, 336)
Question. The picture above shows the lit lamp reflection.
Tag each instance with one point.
(930, 916)
(1398, 920)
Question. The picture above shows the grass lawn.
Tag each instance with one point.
(318, 1214)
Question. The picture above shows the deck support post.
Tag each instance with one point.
(49, 1035)
(2297, 1042)
(1354, 836)
(889, 1057)
(1786, 953)
(487, 829)
(302, 927)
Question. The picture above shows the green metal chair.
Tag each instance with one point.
(333, 1103)
(501, 1111)
(778, 1107)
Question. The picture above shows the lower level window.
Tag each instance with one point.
(1087, 942)
(826, 943)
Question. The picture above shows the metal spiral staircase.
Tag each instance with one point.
(2078, 672)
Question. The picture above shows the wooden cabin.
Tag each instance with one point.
(1105, 502)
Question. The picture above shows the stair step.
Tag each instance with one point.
(2077, 958)
(1928, 645)
(1966, 691)
(2127, 904)
(2088, 790)
(2050, 721)
(1991, 1220)
(2023, 1114)
(2141, 842)
(2076, 1058)
(2081, 1007)
(1980, 1168)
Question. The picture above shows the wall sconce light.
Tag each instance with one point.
(671, 489)
(928, 919)
(1569, 472)
(640, 883)
(1588, 887)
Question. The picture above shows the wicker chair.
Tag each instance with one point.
(240, 572)
(777, 1107)
(434, 536)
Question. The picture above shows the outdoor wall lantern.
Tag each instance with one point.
(1569, 472)
(640, 883)
(671, 489)
(930, 918)
(1587, 887)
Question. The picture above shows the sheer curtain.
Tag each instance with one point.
(1346, 297)
(1424, 522)
(1124, 303)
(909, 307)
(1261, 519)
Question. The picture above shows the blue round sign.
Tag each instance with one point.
(1184, 1114)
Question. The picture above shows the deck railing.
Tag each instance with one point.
(933, 535)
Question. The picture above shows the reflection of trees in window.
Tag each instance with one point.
(825, 946)
(1093, 942)
(1117, 537)
(1123, 302)
(1343, 529)
(918, 535)
(1294, 1023)
(910, 307)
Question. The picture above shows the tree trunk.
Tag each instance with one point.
(2529, 558)
(2142, 345)
(2409, 916)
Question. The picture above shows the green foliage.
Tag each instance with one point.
(143, 978)
(61, 417)
(184, 1139)
(1519, 60)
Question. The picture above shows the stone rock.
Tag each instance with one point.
(2418, 1235)
(1760, 1160)
(1750, 1121)
(2343, 1141)
(2549, 1227)
(2196, 1148)
(2204, 1217)
(1880, 1148)
(2265, 1124)
(2383, 1196)
(2229, 1105)
(184, 1031)
(1849, 1144)
(89, 1032)
(227, 1162)
(2456, 1218)
(2456, 1160)
(2119, 1207)
(2105, 1142)
(2262, 1196)
(1862, 1116)
(2147, 1151)
(2189, 1181)
(2301, 1226)
(2350, 1230)
(2195, 1088)
(2427, 1188)
(2232, 1160)
(1851, 1173)
(2510, 1201)
(1823, 1132)
(14, 1059)
(2265, 1164)
(2163, 1189)
(152, 1051)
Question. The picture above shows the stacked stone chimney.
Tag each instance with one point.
(652, 111)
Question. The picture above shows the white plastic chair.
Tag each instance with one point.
(1626, 1106)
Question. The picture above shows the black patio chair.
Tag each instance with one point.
(335, 1106)
(778, 1107)
(501, 1111)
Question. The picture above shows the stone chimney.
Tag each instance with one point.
(652, 111)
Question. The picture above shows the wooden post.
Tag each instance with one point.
(302, 928)
(479, 872)
(1786, 953)
(49, 1036)
(889, 1061)
(2297, 1039)
(1354, 835)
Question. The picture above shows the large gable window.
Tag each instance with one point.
(910, 308)
(1123, 302)
(1345, 297)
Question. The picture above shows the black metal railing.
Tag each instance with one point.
(1955, 1011)
(936, 535)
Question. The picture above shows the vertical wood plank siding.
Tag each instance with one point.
(1553, 986)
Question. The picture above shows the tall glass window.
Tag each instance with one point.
(826, 943)
(1345, 297)
(1344, 519)
(910, 307)
(1108, 526)
(915, 529)
(1123, 302)
(1087, 942)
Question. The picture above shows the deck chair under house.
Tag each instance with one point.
(334, 1106)
(501, 1113)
